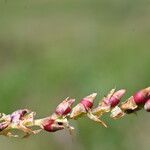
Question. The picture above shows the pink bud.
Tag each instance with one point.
(147, 105)
(141, 96)
(83, 107)
(51, 125)
(87, 102)
(115, 98)
(64, 108)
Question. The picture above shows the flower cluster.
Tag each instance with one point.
(24, 119)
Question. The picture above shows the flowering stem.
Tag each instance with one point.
(24, 120)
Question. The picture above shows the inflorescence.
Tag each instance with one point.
(24, 119)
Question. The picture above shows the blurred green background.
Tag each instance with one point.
(52, 49)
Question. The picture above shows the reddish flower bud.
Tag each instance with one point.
(51, 125)
(64, 108)
(83, 107)
(114, 99)
(87, 102)
(147, 105)
(142, 96)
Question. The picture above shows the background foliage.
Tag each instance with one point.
(53, 49)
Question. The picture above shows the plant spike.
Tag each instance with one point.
(24, 119)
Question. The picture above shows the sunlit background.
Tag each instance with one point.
(52, 49)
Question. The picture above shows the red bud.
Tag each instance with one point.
(65, 107)
(142, 96)
(87, 102)
(51, 125)
(115, 98)
(83, 107)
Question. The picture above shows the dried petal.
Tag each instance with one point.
(5, 117)
(3, 125)
(117, 113)
(96, 119)
(129, 104)
(101, 109)
(28, 119)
